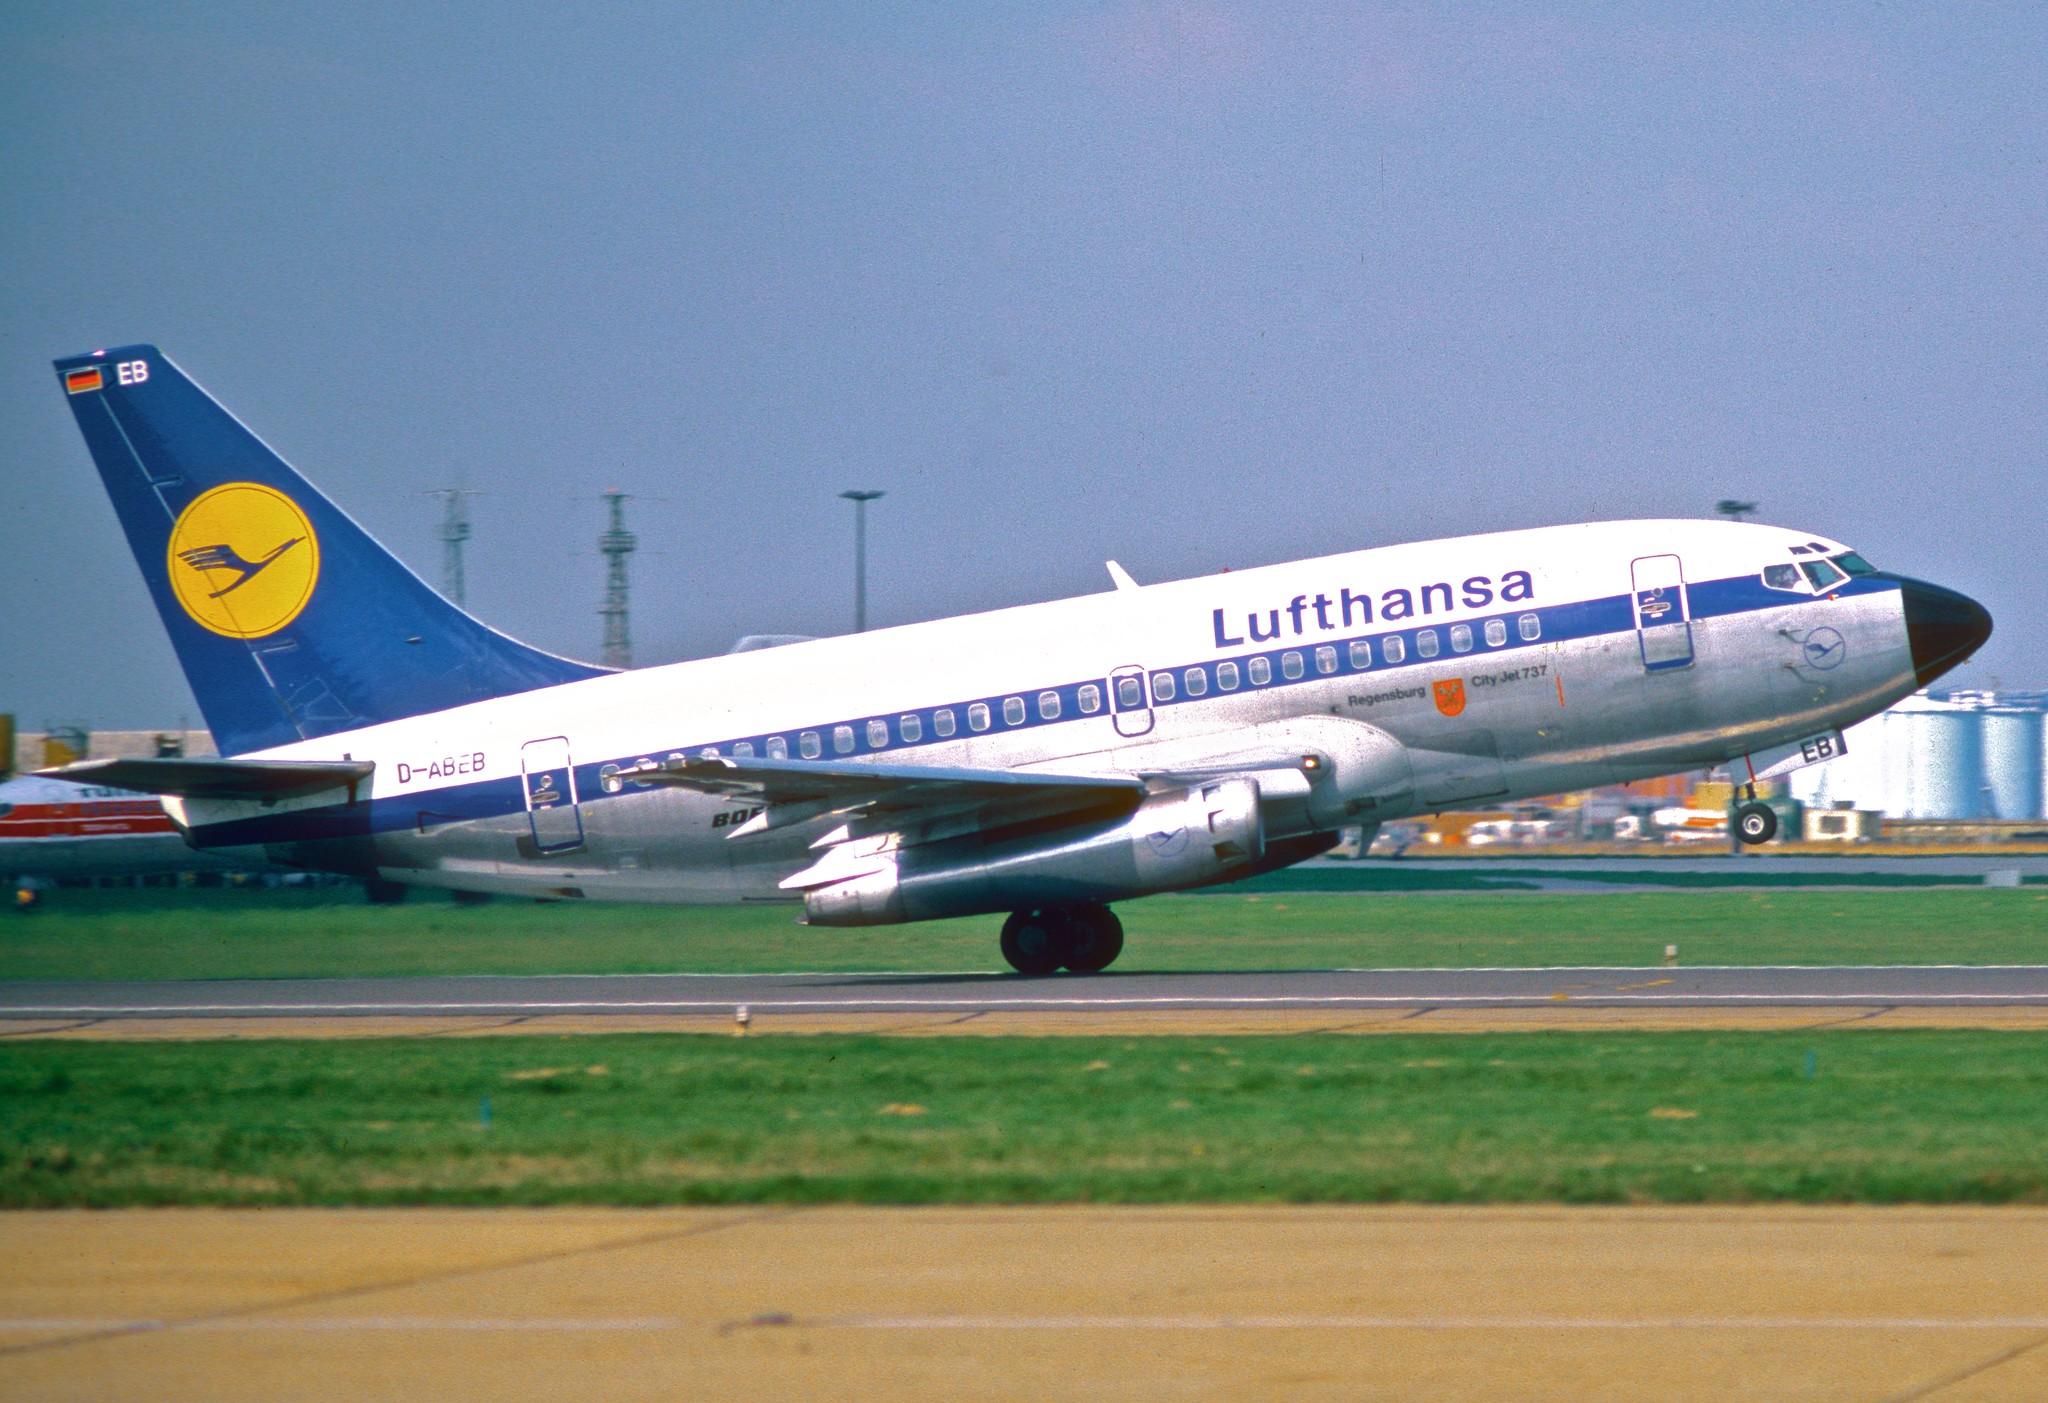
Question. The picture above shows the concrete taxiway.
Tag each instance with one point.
(1655, 986)
(1300, 1001)
(1028, 1303)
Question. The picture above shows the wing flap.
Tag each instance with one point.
(809, 788)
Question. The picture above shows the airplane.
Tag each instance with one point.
(1043, 761)
(52, 829)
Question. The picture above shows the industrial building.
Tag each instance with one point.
(24, 752)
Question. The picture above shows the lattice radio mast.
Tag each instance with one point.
(453, 532)
(616, 544)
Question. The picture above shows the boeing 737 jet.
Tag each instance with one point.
(1042, 761)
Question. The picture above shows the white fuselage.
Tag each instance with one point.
(1431, 676)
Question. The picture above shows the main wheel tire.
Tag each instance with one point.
(1097, 939)
(1035, 941)
(1756, 823)
(379, 892)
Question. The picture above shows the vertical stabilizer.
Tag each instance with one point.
(290, 621)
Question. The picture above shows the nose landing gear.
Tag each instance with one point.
(1085, 939)
(1754, 822)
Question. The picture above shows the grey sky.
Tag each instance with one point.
(1188, 286)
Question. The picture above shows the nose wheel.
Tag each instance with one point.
(1041, 939)
(1756, 823)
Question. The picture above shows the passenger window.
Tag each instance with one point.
(1162, 686)
(977, 716)
(1361, 654)
(842, 739)
(1461, 638)
(1426, 644)
(1226, 677)
(1326, 659)
(778, 748)
(878, 734)
(1013, 711)
(1290, 665)
(910, 727)
(1530, 627)
(1496, 633)
(808, 743)
(1197, 681)
(942, 721)
(1048, 706)
(1090, 698)
(1393, 649)
(1782, 577)
(1129, 693)
(743, 748)
(1823, 574)
(1260, 671)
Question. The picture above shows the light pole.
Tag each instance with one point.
(860, 502)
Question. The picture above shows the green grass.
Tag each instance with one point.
(1578, 1117)
(155, 934)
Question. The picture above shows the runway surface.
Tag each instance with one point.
(1252, 1302)
(1916, 986)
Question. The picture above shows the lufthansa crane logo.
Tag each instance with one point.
(243, 560)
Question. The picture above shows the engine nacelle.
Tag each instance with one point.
(1186, 838)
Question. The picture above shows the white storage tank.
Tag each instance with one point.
(1943, 761)
(2013, 749)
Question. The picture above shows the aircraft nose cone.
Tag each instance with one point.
(1942, 627)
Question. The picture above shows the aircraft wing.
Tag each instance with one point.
(795, 790)
(219, 779)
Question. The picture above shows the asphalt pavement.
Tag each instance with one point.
(1930, 986)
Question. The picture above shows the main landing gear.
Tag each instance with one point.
(1041, 939)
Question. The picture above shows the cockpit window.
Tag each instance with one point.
(1855, 564)
(1822, 574)
(1784, 577)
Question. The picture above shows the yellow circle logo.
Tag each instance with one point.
(243, 559)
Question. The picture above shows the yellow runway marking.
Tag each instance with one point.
(428, 1324)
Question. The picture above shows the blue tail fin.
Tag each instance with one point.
(291, 622)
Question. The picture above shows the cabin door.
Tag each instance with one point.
(551, 795)
(1130, 702)
(1663, 613)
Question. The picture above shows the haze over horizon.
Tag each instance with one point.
(1187, 286)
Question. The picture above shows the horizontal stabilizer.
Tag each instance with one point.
(220, 779)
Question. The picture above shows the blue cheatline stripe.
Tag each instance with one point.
(1556, 623)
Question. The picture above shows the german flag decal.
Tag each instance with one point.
(78, 382)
